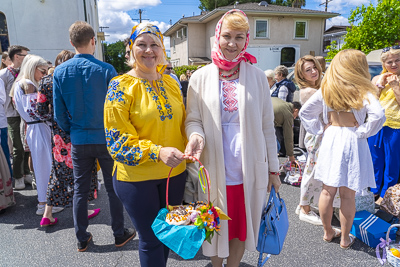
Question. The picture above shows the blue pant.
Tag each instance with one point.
(83, 160)
(142, 201)
(4, 146)
(385, 152)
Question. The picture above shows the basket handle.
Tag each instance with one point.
(388, 232)
(207, 177)
(298, 165)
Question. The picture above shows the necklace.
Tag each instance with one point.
(230, 75)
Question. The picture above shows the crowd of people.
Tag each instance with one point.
(66, 122)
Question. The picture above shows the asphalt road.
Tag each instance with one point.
(24, 243)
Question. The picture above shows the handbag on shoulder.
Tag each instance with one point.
(273, 227)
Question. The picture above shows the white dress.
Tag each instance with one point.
(344, 158)
(38, 136)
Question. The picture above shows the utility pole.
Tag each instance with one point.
(326, 4)
(140, 16)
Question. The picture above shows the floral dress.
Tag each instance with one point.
(6, 190)
(61, 185)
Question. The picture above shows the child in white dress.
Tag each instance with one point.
(345, 99)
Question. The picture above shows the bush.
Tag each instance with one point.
(182, 69)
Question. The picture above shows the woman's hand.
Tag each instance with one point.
(275, 181)
(383, 79)
(171, 156)
(393, 81)
(194, 147)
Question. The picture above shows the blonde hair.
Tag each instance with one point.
(347, 81)
(132, 62)
(269, 73)
(236, 21)
(299, 75)
(28, 68)
(384, 56)
(183, 77)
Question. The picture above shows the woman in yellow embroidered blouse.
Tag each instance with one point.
(144, 123)
(384, 146)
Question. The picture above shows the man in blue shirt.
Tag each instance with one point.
(80, 87)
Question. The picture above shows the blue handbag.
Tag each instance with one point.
(273, 227)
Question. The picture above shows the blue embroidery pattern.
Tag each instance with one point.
(153, 152)
(128, 155)
(115, 92)
(166, 112)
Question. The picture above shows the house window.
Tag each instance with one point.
(4, 42)
(181, 33)
(184, 32)
(300, 29)
(173, 45)
(261, 29)
(288, 56)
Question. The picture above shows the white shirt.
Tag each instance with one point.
(3, 117)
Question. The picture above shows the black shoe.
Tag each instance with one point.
(129, 233)
(82, 246)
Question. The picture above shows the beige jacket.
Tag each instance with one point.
(259, 149)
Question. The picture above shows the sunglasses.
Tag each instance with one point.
(168, 68)
(44, 72)
(384, 50)
(22, 55)
(127, 53)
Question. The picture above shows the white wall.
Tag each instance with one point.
(42, 25)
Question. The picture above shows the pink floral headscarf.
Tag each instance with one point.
(217, 55)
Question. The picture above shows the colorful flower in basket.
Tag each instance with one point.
(209, 219)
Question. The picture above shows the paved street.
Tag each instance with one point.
(24, 243)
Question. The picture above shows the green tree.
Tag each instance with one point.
(115, 55)
(208, 5)
(374, 27)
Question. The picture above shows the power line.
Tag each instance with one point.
(326, 4)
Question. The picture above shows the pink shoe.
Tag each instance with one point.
(46, 222)
(94, 214)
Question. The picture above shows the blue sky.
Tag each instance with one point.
(119, 15)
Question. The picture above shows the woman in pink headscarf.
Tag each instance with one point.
(230, 125)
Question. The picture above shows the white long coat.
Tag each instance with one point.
(259, 149)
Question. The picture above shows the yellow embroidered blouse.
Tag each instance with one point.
(139, 121)
(392, 108)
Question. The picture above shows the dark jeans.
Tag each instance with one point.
(20, 158)
(4, 146)
(142, 201)
(83, 160)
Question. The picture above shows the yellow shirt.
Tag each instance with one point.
(392, 108)
(139, 121)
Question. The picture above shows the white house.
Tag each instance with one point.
(279, 35)
(42, 25)
(335, 33)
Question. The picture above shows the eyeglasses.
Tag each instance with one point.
(169, 68)
(384, 50)
(22, 55)
(44, 72)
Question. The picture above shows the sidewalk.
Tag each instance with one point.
(24, 243)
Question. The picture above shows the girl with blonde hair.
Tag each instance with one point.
(345, 100)
(384, 146)
(38, 133)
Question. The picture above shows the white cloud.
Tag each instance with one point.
(340, 20)
(344, 6)
(114, 15)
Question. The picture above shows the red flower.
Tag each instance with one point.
(41, 98)
(62, 151)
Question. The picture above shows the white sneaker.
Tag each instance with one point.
(298, 210)
(40, 209)
(57, 209)
(28, 179)
(311, 217)
(19, 183)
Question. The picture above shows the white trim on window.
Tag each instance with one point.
(267, 28)
(305, 23)
(173, 46)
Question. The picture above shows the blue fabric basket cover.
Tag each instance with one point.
(184, 240)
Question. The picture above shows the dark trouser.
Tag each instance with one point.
(4, 146)
(20, 160)
(280, 139)
(83, 160)
(142, 201)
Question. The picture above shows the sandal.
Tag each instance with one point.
(352, 239)
(337, 234)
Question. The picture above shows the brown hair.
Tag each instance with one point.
(63, 56)
(3, 57)
(80, 33)
(236, 21)
(347, 81)
(16, 49)
(322, 62)
(299, 76)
